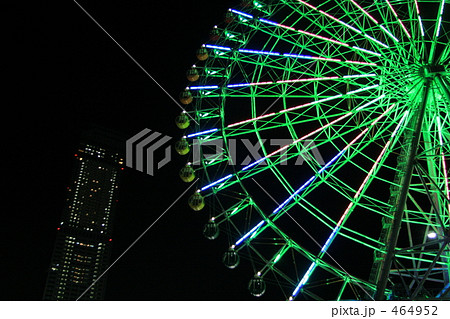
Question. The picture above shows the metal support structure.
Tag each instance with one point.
(444, 87)
(401, 199)
(430, 269)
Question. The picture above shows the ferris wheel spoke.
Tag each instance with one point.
(265, 223)
(270, 264)
(394, 12)
(238, 129)
(313, 36)
(444, 164)
(215, 134)
(385, 29)
(348, 26)
(349, 208)
(273, 87)
(381, 45)
(246, 55)
(367, 14)
(280, 61)
(227, 181)
(210, 133)
(345, 232)
(305, 105)
(290, 34)
(335, 118)
(445, 58)
(340, 273)
(411, 40)
(307, 34)
(282, 208)
(372, 19)
(338, 184)
(437, 31)
(419, 18)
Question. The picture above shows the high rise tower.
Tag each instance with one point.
(84, 238)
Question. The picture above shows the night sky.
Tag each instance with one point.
(64, 74)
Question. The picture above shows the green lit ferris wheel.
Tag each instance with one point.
(345, 108)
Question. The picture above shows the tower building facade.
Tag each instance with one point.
(84, 238)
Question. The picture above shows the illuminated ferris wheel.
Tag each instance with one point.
(352, 201)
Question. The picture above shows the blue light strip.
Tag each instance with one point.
(329, 240)
(242, 13)
(253, 164)
(268, 22)
(304, 279)
(291, 55)
(443, 290)
(218, 47)
(299, 56)
(202, 133)
(216, 182)
(308, 182)
(332, 161)
(205, 87)
(259, 52)
(253, 230)
(237, 85)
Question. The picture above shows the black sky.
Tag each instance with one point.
(64, 73)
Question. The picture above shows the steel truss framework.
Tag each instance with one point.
(365, 84)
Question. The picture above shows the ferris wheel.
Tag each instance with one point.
(319, 131)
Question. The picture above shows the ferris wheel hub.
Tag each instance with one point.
(430, 71)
